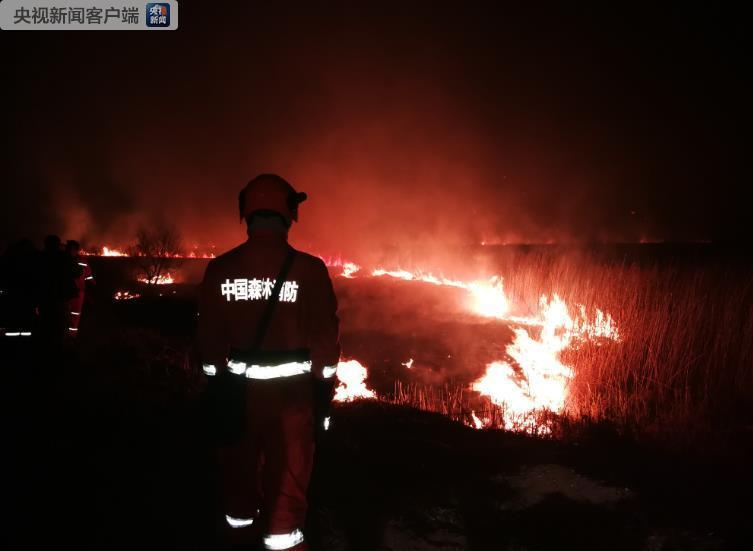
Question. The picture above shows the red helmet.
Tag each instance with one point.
(271, 193)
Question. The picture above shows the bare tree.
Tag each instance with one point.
(158, 251)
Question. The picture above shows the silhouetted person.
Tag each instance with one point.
(19, 285)
(85, 277)
(57, 287)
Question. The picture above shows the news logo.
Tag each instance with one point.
(88, 15)
(157, 14)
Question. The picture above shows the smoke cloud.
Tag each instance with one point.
(413, 131)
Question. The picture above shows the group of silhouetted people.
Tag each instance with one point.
(42, 291)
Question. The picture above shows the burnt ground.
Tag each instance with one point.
(93, 460)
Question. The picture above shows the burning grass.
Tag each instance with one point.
(676, 359)
(675, 362)
(686, 359)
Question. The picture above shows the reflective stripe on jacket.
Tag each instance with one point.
(234, 294)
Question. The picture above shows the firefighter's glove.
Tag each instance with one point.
(324, 391)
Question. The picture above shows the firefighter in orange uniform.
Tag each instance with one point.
(85, 277)
(283, 354)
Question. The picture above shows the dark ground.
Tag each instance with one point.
(91, 462)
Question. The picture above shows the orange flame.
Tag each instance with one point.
(352, 376)
(164, 279)
(350, 268)
(125, 295)
(477, 423)
(194, 254)
(106, 251)
(418, 276)
(541, 380)
(488, 296)
(113, 251)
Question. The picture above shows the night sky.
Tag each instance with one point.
(407, 123)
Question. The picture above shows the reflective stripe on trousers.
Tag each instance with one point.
(236, 522)
(209, 369)
(283, 541)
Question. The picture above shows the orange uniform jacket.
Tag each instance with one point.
(235, 291)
